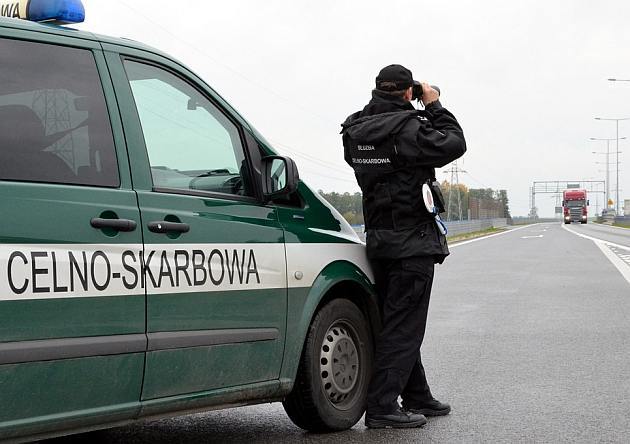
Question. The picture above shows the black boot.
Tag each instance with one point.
(432, 407)
(398, 419)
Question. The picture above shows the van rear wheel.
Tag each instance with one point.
(331, 386)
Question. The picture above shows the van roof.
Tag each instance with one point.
(66, 31)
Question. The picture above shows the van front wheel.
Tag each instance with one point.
(331, 386)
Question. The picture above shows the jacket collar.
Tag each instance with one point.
(385, 103)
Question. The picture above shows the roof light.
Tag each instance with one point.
(54, 11)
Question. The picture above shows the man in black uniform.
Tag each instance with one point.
(393, 149)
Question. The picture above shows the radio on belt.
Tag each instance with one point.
(59, 12)
(427, 196)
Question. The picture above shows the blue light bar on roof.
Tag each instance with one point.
(55, 11)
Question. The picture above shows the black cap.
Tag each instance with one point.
(394, 78)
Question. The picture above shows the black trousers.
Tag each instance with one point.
(404, 289)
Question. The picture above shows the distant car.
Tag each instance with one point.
(157, 257)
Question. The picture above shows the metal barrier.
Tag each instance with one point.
(534, 220)
(468, 226)
(457, 227)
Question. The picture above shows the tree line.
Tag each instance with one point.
(349, 205)
(461, 203)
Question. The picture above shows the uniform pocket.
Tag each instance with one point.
(415, 276)
(418, 265)
(379, 207)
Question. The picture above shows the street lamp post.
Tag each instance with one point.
(607, 172)
(617, 138)
(608, 162)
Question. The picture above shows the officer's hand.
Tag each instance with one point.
(428, 94)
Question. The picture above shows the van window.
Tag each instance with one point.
(191, 144)
(54, 125)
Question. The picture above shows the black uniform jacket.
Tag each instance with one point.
(394, 149)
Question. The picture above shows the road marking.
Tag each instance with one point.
(622, 266)
(532, 237)
(511, 230)
(612, 251)
(621, 253)
(595, 239)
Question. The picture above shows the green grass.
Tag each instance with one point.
(615, 224)
(474, 234)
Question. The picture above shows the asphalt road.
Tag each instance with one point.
(617, 235)
(528, 339)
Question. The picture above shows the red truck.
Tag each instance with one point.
(574, 205)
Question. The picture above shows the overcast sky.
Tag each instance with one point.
(525, 79)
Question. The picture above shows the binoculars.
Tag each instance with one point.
(417, 90)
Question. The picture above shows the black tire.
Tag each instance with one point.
(321, 401)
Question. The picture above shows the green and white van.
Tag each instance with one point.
(156, 256)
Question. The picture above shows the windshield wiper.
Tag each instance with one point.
(217, 172)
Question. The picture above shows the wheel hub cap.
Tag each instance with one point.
(339, 363)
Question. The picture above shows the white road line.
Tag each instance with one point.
(595, 239)
(604, 245)
(532, 237)
(623, 267)
(512, 230)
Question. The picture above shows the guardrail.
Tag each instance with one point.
(534, 220)
(457, 227)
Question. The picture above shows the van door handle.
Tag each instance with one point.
(163, 226)
(116, 224)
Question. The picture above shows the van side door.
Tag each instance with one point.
(72, 308)
(214, 260)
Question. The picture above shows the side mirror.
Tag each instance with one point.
(587, 202)
(280, 177)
